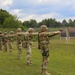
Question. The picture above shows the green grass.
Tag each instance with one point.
(62, 60)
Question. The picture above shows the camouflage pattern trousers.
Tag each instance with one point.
(5, 47)
(28, 54)
(10, 47)
(19, 46)
(45, 56)
(0, 45)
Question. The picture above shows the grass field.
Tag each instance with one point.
(62, 60)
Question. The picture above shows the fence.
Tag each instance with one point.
(67, 33)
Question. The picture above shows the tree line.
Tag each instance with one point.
(8, 20)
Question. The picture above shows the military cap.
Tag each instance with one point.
(43, 27)
(11, 32)
(5, 33)
(30, 30)
(19, 29)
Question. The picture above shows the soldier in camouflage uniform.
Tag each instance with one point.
(1, 35)
(5, 41)
(28, 43)
(19, 41)
(10, 41)
(44, 46)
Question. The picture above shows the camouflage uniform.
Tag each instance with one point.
(5, 41)
(10, 41)
(27, 44)
(19, 41)
(1, 35)
(44, 46)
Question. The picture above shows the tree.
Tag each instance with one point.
(74, 23)
(26, 24)
(9, 21)
(33, 23)
(64, 23)
(50, 23)
(3, 14)
(70, 23)
(58, 24)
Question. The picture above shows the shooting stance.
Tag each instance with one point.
(10, 41)
(43, 39)
(19, 42)
(1, 36)
(5, 41)
(27, 44)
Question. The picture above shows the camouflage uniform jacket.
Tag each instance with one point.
(1, 36)
(19, 38)
(44, 39)
(28, 39)
(11, 38)
(5, 39)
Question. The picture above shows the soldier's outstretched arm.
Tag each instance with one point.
(57, 32)
(51, 34)
(35, 33)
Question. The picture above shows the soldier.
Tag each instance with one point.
(5, 41)
(19, 41)
(44, 46)
(10, 41)
(1, 35)
(27, 44)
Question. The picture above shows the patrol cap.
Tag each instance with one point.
(30, 30)
(43, 28)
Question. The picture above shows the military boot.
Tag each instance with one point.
(44, 72)
(28, 63)
(0, 48)
(10, 52)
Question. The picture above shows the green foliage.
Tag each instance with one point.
(3, 14)
(9, 21)
(30, 24)
(51, 23)
(33, 23)
(8, 29)
(26, 24)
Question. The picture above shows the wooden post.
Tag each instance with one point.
(67, 36)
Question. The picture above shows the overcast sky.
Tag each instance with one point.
(40, 9)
